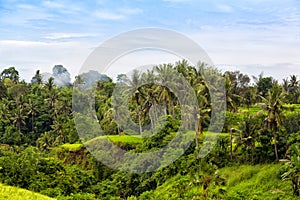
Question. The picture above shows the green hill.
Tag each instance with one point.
(258, 182)
(14, 193)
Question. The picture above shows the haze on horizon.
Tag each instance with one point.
(252, 36)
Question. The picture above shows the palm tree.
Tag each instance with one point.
(294, 88)
(231, 105)
(50, 84)
(202, 117)
(51, 100)
(273, 105)
(165, 77)
(285, 85)
(45, 141)
(201, 90)
(133, 85)
(32, 111)
(247, 129)
(5, 114)
(293, 169)
(37, 78)
(19, 118)
(10, 73)
(151, 97)
(58, 129)
(183, 68)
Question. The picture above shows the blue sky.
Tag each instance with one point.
(250, 35)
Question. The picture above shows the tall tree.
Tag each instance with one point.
(201, 91)
(231, 105)
(10, 73)
(37, 78)
(273, 105)
(133, 85)
(264, 84)
(165, 77)
(248, 132)
(294, 88)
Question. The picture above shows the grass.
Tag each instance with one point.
(256, 182)
(14, 193)
(116, 139)
(256, 108)
(72, 147)
(247, 182)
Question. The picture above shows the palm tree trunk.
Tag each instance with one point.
(197, 143)
(230, 138)
(151, 121)
(165, 105)
(119, 131)
(198, 132)
(32, 125)
(252, 156)
(19, 126)
(275, 145)
(140, 122)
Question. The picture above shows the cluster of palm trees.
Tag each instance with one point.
(149, 93)
(272, 102)
(157, 92)
(40, 107)
(28, 111)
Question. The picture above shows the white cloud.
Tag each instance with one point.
(58, 36)
(26, 6)
(119, 14)
(273, 50)
(131, 11)
(139, 60)
(52, 4)
(108, 15)
(224, 8)
(21, 43)
(28, 56)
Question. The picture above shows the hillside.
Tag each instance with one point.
(14, 193)
(258, 182)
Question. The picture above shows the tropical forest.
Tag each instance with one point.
(52, 148)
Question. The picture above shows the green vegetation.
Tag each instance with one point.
(256, 182)
(241, 182)
(14, 193)
(256, 156)
(120, 139)
(72, 147)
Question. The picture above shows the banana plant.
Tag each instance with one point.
(292, 172)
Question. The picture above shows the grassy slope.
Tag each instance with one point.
(256, 182)
(14, 193)
(125, 139)
(242, 182)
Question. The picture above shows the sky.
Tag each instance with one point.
(252, 36)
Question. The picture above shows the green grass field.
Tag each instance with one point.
(117, 139)
(244, 182)
(14, 193)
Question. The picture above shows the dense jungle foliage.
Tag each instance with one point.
(257, 155)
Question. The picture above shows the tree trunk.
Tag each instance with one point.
(275, 145)
(19, 126)
(165, 108)
(140, 123)
(32, 126)
(252, 157)
(151, 121)
(119, 131)
(197, 143)
(230, 121)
